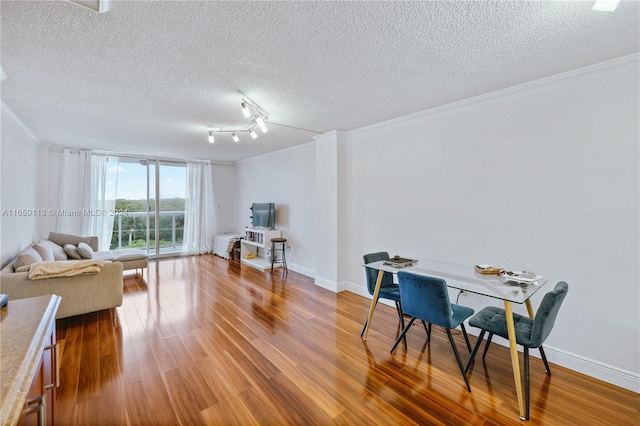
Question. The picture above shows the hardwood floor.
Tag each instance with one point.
(202, 340)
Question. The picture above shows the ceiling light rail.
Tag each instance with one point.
(297, 128)
(234, 133)
(259, 117)
(251, 109)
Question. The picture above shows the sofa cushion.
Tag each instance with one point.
(27, 257)
(45, 251)
(58, 251)
(72, 251)
(8, 269)
(123, 255)
(85, 251)
(23, 268)
(63, 239)
(103, 255)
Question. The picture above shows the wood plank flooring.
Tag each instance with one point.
(205, 341)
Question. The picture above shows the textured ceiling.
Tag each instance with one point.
(152, 77)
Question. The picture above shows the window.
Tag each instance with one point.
(149, 204)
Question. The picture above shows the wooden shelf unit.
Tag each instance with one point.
(257, 242)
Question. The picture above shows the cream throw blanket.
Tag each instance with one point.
(64, 268)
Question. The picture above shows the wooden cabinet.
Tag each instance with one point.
(255, 248)
(40, 404)
(29, 364)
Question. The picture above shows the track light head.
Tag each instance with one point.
(606, 5)
(253, 133)
(260, 122)
(211, 139)
(235, 137)
(245, 109)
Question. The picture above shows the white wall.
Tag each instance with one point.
(286, 178)
(24, 187)
(543, 177)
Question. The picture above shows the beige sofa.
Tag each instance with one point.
(80, 294)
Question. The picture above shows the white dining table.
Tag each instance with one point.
(466, 278)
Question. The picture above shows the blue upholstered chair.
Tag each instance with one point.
(426, 298)
(530, 333)
(388, 289)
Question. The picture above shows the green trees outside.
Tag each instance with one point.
(131, 222)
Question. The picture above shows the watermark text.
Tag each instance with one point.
(64, 212)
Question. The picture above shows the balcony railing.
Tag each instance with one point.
(130, 230)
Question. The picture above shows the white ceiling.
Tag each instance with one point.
(151, 77)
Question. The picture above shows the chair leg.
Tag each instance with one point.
(455, 351)
(466, 337)
(404, 331)
(486, 347)
(544, 359)
(474, 351)
(526, 383)
(364, 327)
(427, 330)
(401, 316)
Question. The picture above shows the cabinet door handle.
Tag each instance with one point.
(56, 363)
(40, 408)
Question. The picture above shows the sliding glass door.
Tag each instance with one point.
(169, 215)
(150, 196)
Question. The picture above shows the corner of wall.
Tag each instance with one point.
(23, 185)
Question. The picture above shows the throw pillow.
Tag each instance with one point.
(44, 251)
(72, 251)
(27, 257)
(85, 251)
(58, 251)
(64, 239)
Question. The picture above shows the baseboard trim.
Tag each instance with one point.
(592, 368)
(583, 365)
(329, 285)
(301, 270)
(362, 291)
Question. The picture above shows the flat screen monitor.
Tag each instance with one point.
(264, 214)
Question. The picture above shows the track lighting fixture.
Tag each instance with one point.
(234, 133)
(606, 5)
(245, 109)
(99, 6)
(259, 118)
(260, 122)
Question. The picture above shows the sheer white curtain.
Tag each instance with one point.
(102, 201)
(199, 224)
(73, 190)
